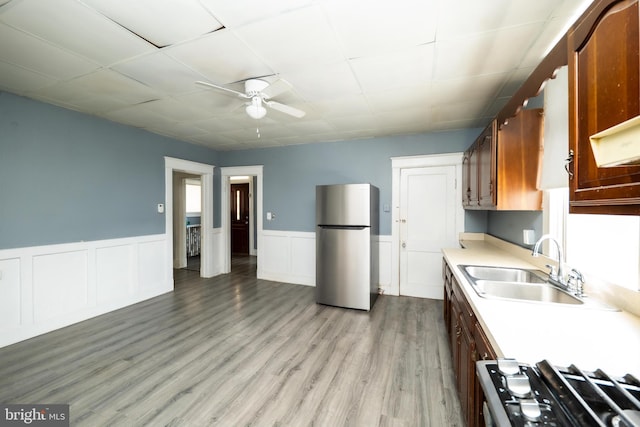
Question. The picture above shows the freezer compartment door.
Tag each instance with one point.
(343, 260)
(344, 204)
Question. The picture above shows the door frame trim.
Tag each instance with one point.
(206, 180)
(407, 162)
(225, 186)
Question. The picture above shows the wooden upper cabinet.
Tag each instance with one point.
(519, 151)
(470, 177)
(486, 146)
(604, 72)
(506, 166)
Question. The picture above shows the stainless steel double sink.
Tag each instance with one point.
(516, 284)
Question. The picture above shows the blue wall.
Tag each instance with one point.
(508, 225)
(291, 173)
(67, 177)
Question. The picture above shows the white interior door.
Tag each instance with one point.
(427, 224)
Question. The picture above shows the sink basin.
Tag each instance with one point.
(539, 292)
(504, 274)
(519, 284)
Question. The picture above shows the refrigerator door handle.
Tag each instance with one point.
(343, 227)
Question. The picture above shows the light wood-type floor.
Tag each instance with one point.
(237, 351)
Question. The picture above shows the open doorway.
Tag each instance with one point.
(242, 218)
(187, 220)
(177, 170)
(242, 224)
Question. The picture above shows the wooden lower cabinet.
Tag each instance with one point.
(468, 344)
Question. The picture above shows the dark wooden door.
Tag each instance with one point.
(239, 218)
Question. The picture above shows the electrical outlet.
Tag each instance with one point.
(529, 237)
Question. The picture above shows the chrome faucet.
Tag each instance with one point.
(554, 277)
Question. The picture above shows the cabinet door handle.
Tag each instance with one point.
(568, 163)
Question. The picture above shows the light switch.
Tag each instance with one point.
(270, 216)
(160, 208)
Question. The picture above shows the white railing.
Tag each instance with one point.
(193, 240)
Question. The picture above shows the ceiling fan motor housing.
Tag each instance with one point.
(253, 87)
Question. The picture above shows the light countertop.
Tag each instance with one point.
(589, 338)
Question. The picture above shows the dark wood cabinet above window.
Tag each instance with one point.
(604, 90)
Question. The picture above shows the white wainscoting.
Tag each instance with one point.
(48, 287)
(290, 257)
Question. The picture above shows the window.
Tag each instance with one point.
(603, 247)
(193, 195)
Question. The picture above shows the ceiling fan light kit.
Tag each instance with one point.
(255, 110)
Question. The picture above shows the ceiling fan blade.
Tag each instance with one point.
(285, 109)
(276, 88)
(226, 89)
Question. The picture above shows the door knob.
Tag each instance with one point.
(404, 245)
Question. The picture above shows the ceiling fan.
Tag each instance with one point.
(259, 93)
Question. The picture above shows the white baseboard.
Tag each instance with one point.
(44, 288)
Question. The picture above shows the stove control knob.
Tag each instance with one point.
(519, 385)
(508, 366)
(530, 410)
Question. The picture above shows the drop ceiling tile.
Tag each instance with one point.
(570, 9)
(397, 120)
(486, 53)
(90, 105)
(75, 27)
(20, 80)
(356, 122)
(480, 17)
(163, 23)
(37, 55)
(553, 31)
(292, 41)
(400, 99)
(368, 28)
(324, 82)
(459, 111)
(178, 130)
(136, 115)
(221, 56)
(233, 14)
(342, 106)
(310, 126)
(273, 131)
(161, 72)
(460, 124)
(211, 101)
(178, 111)
(469, 88)
(103, 90)
(410, 67)
(215, 124)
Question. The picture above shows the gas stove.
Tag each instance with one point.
(545, 395)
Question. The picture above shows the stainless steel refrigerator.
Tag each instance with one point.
(347, 224)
